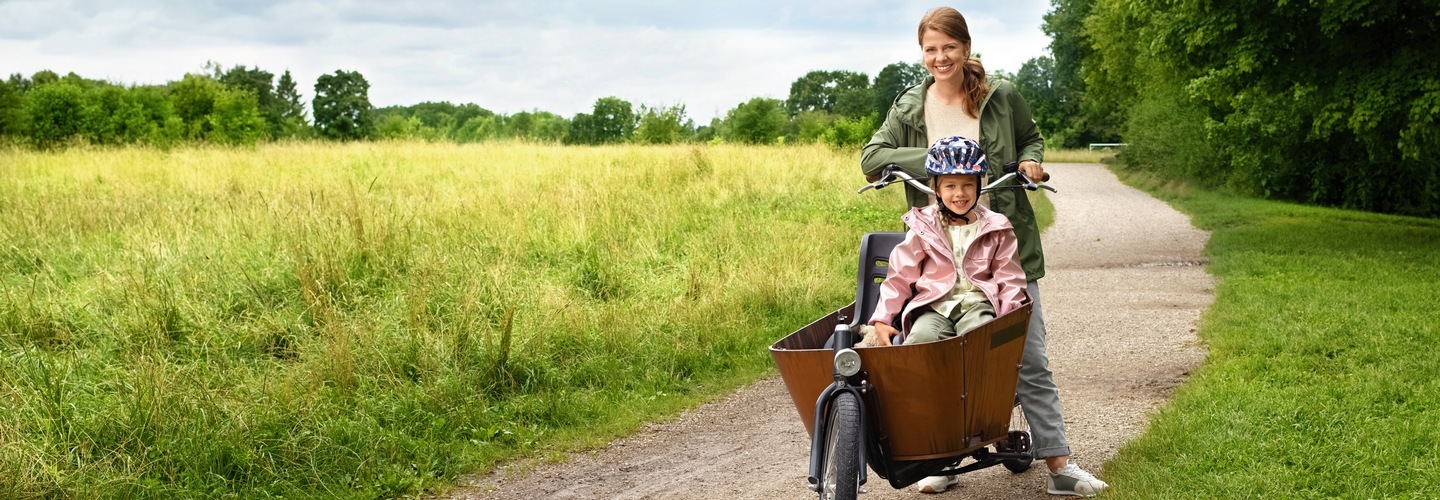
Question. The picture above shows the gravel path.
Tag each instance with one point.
(1124, 288)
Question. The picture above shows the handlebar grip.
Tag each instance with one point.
(1014, 166)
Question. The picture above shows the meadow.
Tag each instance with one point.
(1321, 379)
(372, 319)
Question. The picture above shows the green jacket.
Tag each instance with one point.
(1007, 132)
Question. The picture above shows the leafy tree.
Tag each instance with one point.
(466, 112)
(1345, 113)
(894, 79)
(397, 126)
(841, 92)
(237, 119)
(1082, 118)
(757, 121)
(112, 115)
(478, 128)
(193, 99)
(157, 108)
(20, 82)
(661, 125)
(55, 110)
(613, 120)
(43, 77)
(710, 132)
(544, 126)
(1036, 81)
(582, 130)
(855, 102)
(851, 133)
(810, 126)
(342, 106)
(12, 108)
(260, 83)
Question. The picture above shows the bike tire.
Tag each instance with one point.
(1017, 441)
(840, 479)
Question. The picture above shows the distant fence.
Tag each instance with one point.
(1107, 145)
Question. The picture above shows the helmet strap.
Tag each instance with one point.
(951, 215)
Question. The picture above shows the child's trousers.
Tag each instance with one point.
(931, 326)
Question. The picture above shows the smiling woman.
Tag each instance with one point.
(959, 99)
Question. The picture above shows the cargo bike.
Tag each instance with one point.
(908, 411)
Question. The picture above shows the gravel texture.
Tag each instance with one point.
(1124, 289)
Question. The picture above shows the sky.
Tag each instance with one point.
(507, 56)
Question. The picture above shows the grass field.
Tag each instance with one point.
(1322, 379)
(370, 320)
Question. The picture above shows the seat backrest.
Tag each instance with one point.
(875, 251)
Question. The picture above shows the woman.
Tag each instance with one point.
(957, 99)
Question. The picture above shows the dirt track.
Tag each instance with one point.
(1124, 288)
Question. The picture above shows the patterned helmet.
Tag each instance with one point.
(955, 155)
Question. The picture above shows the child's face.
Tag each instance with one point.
(957, 192)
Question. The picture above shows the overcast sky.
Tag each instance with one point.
(506, 56)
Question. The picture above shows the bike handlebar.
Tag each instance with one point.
(893, 174)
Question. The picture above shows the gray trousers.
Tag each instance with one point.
(1037, 392)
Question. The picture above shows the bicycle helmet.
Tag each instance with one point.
(955, 156)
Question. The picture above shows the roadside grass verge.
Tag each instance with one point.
(1322, 379)
(372, 320)
(1044, 209)
(1078, 156)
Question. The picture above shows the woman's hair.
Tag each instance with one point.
(949, 21)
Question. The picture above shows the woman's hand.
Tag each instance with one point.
(883, 332)
(872, 177)
(1033, 170)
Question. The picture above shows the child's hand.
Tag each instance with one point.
(883, 332)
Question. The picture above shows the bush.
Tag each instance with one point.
(757, 121)
(851, 132)
(56, 113)
(236, 119)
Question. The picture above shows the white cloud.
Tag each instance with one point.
(505, 56)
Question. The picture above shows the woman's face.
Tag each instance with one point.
(944, 56)
(957, 192)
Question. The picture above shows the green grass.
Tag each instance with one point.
(1322, 378)
(371, 320)
(1078, 156)
(1044, 209)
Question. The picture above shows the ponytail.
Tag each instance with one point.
(975, 86)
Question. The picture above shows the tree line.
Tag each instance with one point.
(244, 105)
(236, 106)
(1328, 103)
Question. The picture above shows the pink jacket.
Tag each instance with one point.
(924, 259)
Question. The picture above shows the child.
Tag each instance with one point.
(949, 299)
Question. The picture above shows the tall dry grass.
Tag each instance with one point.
(373, 319)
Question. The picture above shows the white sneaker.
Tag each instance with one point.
(937, 484)
(1074, 481)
